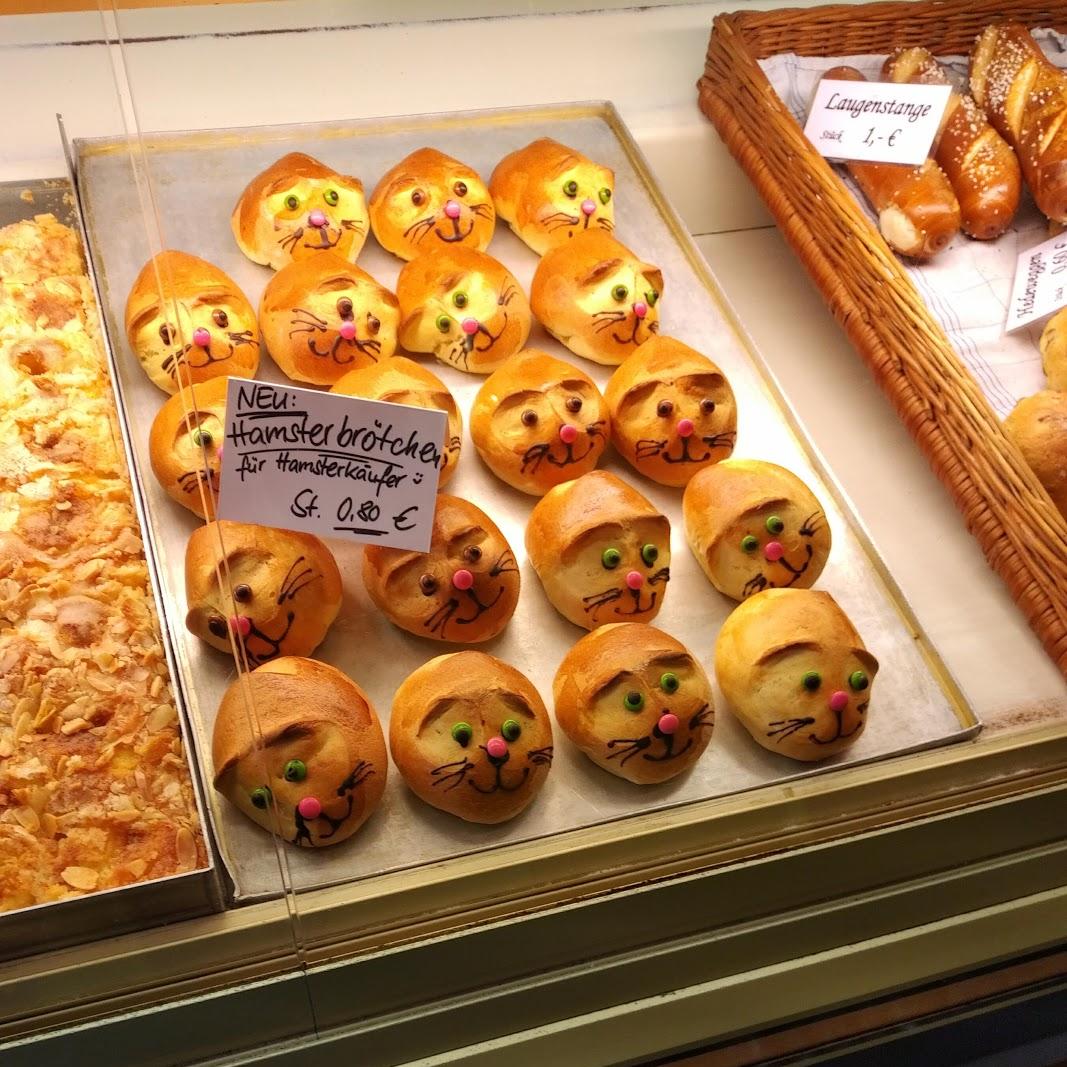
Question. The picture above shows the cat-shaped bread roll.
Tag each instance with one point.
(464, 589)
(596, 297)
(315, 768)
(549, 193)
(754, 525)
(672, 411)
(281, 590)
(403, 381)
(795, 672)
(430, 200)
(538, 421)
(635, 701)
(470, 735)
(601, 550)
(1053, 346)
(322, 317)
(186, 321)
(463, 306)
(298, 208)
(185, 445)
(1038, 425)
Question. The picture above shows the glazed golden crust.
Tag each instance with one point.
(620, 659)
(1053, 346)
(1038, 425)
(403, 381)
(461, 776)
(95, 792)
(538, 456)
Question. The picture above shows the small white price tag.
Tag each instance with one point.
(876, 122)
(330, 465)
(1040, 285)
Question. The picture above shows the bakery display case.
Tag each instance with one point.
(637, 702)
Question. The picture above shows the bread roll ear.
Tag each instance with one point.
(655, 276)
(411, 325)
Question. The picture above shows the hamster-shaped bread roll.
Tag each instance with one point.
(795, 672)
(635, 701)
(1038, 425)
(463, 306)
(315, 770)
(186, 321)
(918, 213)
(601, 550)
(672, 411)
(754, 525)
(978, 162)
(549, 193)
(538, 421)
(464, 589)
(298, 208)
(1025, 97)
(185, 445)
(322, 317)
(281, 589)
(470, 735)
(1053, 346)
(430, 200)
(596, 297)
(403, 381)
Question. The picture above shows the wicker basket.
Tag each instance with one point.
(1021, 532)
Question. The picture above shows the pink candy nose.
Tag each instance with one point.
(469, 326)
(640, 309)
(201, 337)
(838, 700)
(588, 207)
(310, 807)
(316, 219)
(635, 580)
(241, 624)
(347, 330)
(685, 427)
(463, 579)
(668, 723)
(218, 454)
(452, 209)
(773, 551)
(568, 434)
(497, 747)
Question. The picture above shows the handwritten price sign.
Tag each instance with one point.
(330, 465)
(1040, 285)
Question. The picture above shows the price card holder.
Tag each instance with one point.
(1040, 285)
(876, 122)
(331, 465)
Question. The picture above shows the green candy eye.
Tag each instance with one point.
(510, 730)
(459, 299)
(605, 195)
(331, 197)
(652, 296)
(650, 554)
(633, 701)
(292, 202)
(260, 798)
(620, 292)
(811, 681)
(611, 558)
(295, 770)
(571, 188)
(462, 734)
(774, 525)
(669, 683)
(749, 543)
(202, 438)
(858, 680)
(444, 323)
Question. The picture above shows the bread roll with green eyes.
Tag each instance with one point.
(795, 673)
(470, 735)
(635, 701)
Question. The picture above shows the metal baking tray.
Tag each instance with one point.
(144, 904)
(195, 178)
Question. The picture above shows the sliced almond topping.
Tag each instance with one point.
(84, 878)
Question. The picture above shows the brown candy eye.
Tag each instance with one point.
(574, 404)
(472, 554)
(373, 325)
(220, 318)
(344, 307)
(460, 188)
(529, 417)
(418, 197)
(166, 333)
(217, 625)
(664, 408)
(428, 584)
(707, 406)
(242, 594)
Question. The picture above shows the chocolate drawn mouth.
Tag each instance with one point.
(653, 327)
(360, 773)
(456, 234)
(633, 746)
(498, 780)
(760, 582)
(345, 346)
(479, 608)
(190, 479)
(324, 239)
(635, 595)
(274, 644)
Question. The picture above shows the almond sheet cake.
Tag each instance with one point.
(95, 791)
